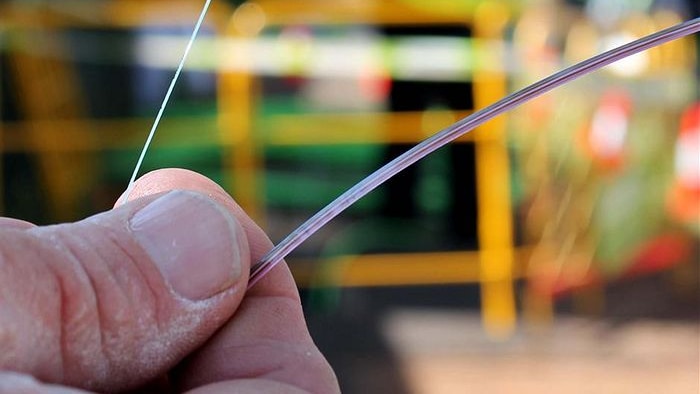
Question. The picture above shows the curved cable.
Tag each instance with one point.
(463, 126)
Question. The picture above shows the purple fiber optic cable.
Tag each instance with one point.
(463, 126)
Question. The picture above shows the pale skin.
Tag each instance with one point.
(84, 307)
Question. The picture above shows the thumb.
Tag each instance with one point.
(113, 301)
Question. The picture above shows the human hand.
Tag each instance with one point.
(151, 296)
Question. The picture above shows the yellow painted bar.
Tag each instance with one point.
(353, 128)
(236, 92)
(384, 12)
(121, 13)
(404, 269)
(493, 182)
(396, 269)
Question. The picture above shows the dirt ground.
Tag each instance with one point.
(447, 352)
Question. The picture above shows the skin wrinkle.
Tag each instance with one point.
(250, 386)
(278, 346)
(10, 333)
(125, 250)
(255, 372)
(154, 340)
(96, 309)
(63, 344)
(142, 322)
(152, 298)
(60, 285)
(113, 365)
(3, 333)
(223, 373)
(67, 257)
(44, 315)
(283, 371)
(6, 337)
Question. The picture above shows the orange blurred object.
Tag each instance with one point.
(684, 196)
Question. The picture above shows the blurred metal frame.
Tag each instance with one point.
(492, 266)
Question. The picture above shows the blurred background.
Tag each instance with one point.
(555, 249)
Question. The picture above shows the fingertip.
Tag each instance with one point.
(167, 179)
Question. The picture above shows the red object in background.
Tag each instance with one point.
(375, 85)
(660, 254)
(684, 196)
(604, 141)
(656, 255)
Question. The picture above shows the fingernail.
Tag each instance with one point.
(192, 240)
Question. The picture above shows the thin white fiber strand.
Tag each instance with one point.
(200, 21)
